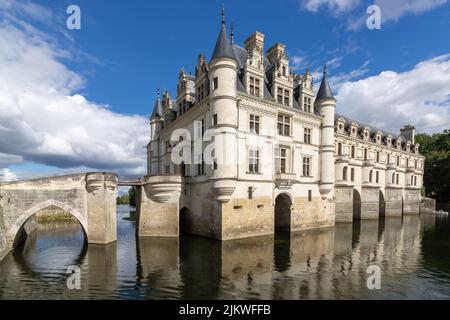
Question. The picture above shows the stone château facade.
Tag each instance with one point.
(296, 163)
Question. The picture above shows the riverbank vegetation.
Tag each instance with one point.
(129, 198)
(436, 149)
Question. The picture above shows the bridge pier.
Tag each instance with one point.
(158, 207)
(101, 207)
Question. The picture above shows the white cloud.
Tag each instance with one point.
(338, 80)
(7, 175)
(297, 62)
(390, 100)
(336, 6)
(394, 9)
(44, 118)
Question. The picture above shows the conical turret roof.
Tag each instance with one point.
(223, 47)
(324, 90)
(157, 108)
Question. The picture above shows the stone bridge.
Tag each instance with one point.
(89, 197)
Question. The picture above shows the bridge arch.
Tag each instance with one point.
(20, 221)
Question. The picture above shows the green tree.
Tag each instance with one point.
(436, 149)
(132, 196)
(123, 199)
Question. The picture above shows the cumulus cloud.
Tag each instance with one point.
(337, 6)
(45, 119)
(390, 100)
(394, 9)
(355, 10)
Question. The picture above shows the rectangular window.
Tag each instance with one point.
(353, 152)
(307, 136)
(339, 149)
(377, 177)
(215, 83)
(280, 95)
(214, 120)
(307, 166)
(378, 156)
(254, 86)
(281, 160)
(365, 154)
(253, 161)
(286, 97)
(284, 125)
(254, 124)
(352, 174)
(309, 195)
(167, 169)
(307, 104)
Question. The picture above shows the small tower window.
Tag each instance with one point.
(352, 174)
(215, 83)
(344, 174)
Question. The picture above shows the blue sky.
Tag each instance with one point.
(125, 50)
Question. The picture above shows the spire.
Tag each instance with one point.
(324, 90)
(223, 48)
(157, 108)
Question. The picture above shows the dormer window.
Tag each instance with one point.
(354, 129)
(408, 146)
(340, 124)
(399, 144)
(366, 133)
(255, 86)
(307, 104)
(416, 148)
(378, 137)
(389, 141)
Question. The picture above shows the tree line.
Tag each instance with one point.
(436, 149)
(129, 198)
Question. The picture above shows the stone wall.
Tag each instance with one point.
(370, 203)
(411, 203)
(394, 202)
(344, 203)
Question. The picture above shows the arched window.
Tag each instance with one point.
(344, 174)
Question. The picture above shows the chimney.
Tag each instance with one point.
(409, 132)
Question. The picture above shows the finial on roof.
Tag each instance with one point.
(325, 69)
(223, 13)
(232, 33)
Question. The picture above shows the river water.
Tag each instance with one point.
(412, 255)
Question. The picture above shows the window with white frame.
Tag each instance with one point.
(281, 158)
(307, 160)
(253, 161)
(284, 125)
(255, 86)
(307, 135)
(254, 124)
